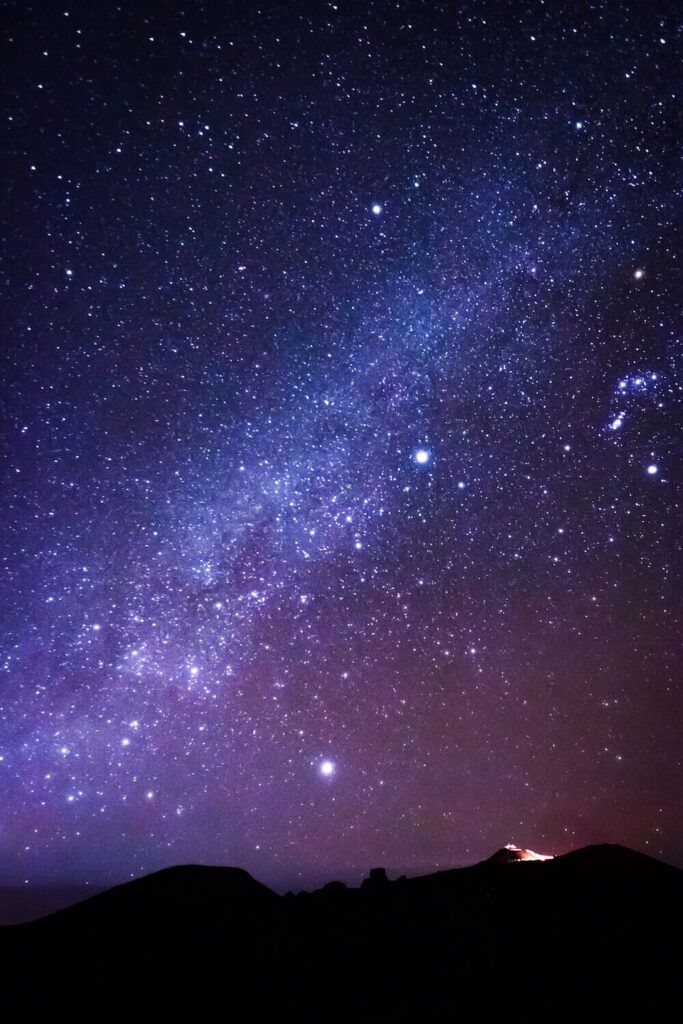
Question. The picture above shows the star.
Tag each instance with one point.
(288, 496)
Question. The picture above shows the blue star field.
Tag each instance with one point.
(341, 400)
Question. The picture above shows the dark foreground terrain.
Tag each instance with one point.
(594, 930)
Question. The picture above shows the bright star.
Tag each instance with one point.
(422, 456)
(376, 209)
(652, 469)
(327, 768)
(639, 274)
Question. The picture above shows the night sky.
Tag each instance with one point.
(340, 467)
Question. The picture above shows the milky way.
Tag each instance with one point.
(340, 390)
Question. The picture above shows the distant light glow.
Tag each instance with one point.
(376, 209)
(327, 768)
(422, 456)
(653, 469)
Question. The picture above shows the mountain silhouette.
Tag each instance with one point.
(192, 893)
(599, 925)
(609, 857)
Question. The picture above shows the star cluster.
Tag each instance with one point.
(341, 390)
